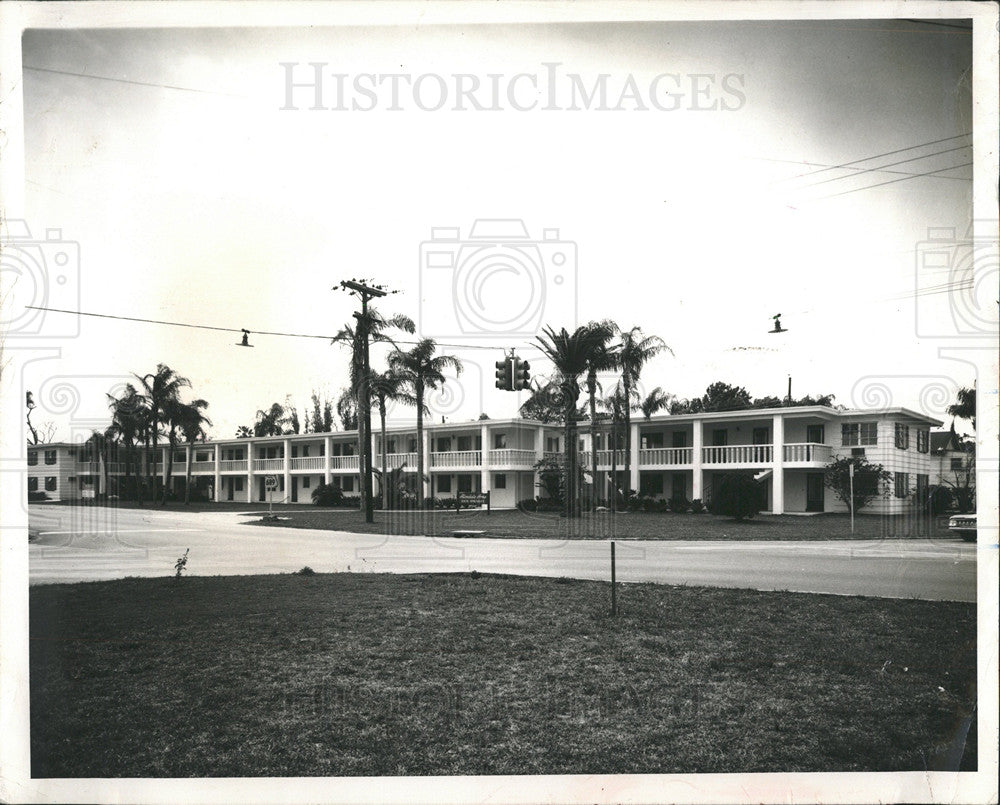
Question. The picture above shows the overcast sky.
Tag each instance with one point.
(195, 197)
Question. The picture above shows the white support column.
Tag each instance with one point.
(426, 482)
(633, 471)
(778, 476)
(250, 471)
(287, 468)
(697, 475)
(217, 482)
(327, 460)
(187, 457)
(484, 453)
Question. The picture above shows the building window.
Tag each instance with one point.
(464, 483)
(50, 456)
(500, 481)
(922, 484)
(50, 483)
(902, 484)
(815, 434)
(444, 444)
(444, 483)
(720, 437)
(761, 435)
(956, 464)
(923, 441)
(857, 452)
(238, 484)
(203, 455)
(464, 443)
(295, 451)
(863, 433)
(33, 484)
(902, 436)
(305, 482)
(348, 483)
(32, 458)
(651, 441)
(411, 445)
(679, 439)
(499, 441)
(552, 444)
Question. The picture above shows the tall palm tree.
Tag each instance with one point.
(634, 350)
(271, 421)
(387, 387)
(421, 370)
(130, 427)
(616, 404)
(243, 432)
(602, 356)
(570, 355)
(656, 400)
(965, 405)
(192, 422)
(161, 389)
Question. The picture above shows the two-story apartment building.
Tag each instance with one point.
(786, 449)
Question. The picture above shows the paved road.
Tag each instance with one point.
(88, 544)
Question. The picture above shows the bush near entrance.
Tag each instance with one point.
(738, 496)
(870, 480)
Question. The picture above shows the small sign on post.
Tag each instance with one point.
(270, 484)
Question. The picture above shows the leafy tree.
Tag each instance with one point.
(322, 414)
(544, 404)
(964, 406)
(129, 428)
(271, 421)
(738, 496)
(723, 397)
(347, 409)
(634, 350)
(422, 370)
(963, 486)
(30, 402)
(870, 480)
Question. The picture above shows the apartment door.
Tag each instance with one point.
(815, 434)
(814, 492)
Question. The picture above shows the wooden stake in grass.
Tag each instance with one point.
(614, 595)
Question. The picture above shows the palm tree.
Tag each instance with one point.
(634, 350)
(160, 389)
(616, 404)
(601, 357)
(99, 442)
(421, 370)
(570, 354)
(370, 328)
(130, 427)
(965, 405)
(387, 387)
(271, 421)
(655, 401)
(243, 432)
(192, 421)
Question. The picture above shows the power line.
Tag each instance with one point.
(879, 156)
(890, 165)
(881, 169)
(237, 329)
(891, 181)
(129, 81)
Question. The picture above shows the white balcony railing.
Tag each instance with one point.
(750, 454)
(344, 462)
(233, 465)
(457, 458)
(553, 455)
(308, 463)
(268, 464)
(202, 466)
(670, 456)
(396, 460)
(808, 451)
(512, 457)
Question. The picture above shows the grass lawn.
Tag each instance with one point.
(370, 674)
(605, 525)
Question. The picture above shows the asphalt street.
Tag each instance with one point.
(95, 543)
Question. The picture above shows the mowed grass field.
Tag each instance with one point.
(363, 674)
(606, 525)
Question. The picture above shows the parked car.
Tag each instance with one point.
(964, 525)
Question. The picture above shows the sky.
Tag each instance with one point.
(730, 176)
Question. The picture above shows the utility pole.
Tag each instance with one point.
(366, 292)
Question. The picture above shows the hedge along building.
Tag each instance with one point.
(786, 449)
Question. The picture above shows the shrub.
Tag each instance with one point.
(527, 505)
(328, 495)
(697, 506)
(34, 497)
(680, 505)
(738, 497)
(939, 500)
(306, 571)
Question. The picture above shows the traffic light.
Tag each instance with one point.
(522, 378)
(504, 375)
